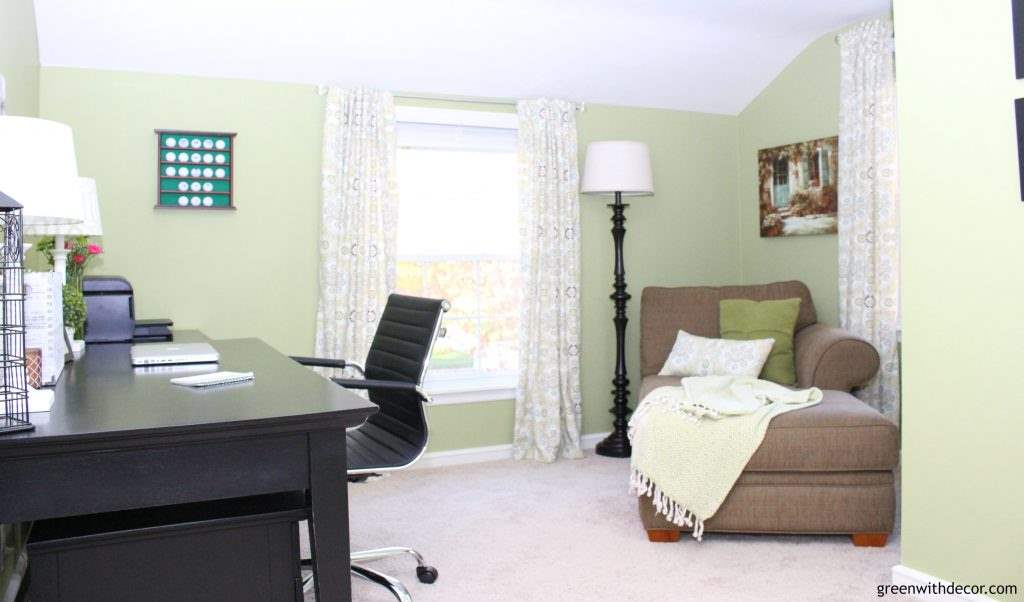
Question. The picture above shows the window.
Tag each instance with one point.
(814, 167)
(458, 238)
(781, 171)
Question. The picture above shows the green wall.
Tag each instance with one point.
(19, 56)
(230, 273)
(802, 103)
(963, 239)
(253, 271)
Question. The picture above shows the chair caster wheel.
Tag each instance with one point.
(426, 574)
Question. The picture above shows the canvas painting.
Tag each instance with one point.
(797, 188)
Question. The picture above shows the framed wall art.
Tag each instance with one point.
(195, 170)
(797, 188)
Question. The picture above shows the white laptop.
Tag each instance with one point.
(155, 354)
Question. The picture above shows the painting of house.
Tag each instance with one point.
(797, 188)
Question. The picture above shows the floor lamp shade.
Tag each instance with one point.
(620, 166)
(38, 168)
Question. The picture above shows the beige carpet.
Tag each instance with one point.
(569, 531)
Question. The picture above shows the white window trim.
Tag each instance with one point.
(484, 119)
(471, 389)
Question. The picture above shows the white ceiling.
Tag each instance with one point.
(701, 55)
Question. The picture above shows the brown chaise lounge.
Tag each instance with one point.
(824, 469)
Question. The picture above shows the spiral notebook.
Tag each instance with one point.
(213, 379)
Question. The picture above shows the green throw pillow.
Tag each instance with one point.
(743, 320)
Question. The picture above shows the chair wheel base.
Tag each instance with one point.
(426, 574)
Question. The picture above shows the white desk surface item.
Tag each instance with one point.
(214, 378)
(40, 400)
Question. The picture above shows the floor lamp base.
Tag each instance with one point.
(615, 445)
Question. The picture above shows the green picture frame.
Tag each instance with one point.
(195, 170)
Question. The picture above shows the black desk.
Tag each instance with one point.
(121, 438)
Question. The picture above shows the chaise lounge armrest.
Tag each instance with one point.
(832, 358)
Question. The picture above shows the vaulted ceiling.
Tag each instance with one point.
(700, 55)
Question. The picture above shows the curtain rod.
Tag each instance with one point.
(511, 102)
(470, 99)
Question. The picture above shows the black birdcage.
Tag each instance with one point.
(13, 380)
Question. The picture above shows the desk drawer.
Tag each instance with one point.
(238, 550)
(86, 483)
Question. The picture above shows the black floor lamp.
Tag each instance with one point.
(622, 168)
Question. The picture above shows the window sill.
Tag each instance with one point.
(451, 392)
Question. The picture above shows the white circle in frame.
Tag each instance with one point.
(196, 201)
(196, 187)
(183, 186)
(183, 171)
(183, 200)
(207, 144)
(171, 142)
(183, 142)
(207, 201)
(221, 145)
(220, 159)
(207, 186)
(183, 157)
(195, 172)
(170, 157)
(170, 171)
(195, 157)
(196, 143)
(220, 172)
(207, 158)
(207, 172)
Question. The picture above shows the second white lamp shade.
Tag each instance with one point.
(91, 224)
(617, 166)
(38, 169)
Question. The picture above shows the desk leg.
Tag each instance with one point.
(328, 522)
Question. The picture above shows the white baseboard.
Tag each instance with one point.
(472, 455)
(904, 575)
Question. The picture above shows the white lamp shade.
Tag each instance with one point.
(617, 166)
(91, 224)
(38, 169)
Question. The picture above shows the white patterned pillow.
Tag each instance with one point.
(699, 356)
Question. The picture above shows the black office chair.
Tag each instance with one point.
(396, 436)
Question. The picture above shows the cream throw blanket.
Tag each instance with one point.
(691, 442)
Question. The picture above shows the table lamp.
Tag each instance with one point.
(620, 168)
(89, 226)
(38, 168)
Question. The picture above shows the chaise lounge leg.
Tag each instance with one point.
(663, 535)
(869, 540)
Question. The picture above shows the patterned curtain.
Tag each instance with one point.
(358, 219)
(548, 414)
(869, 235)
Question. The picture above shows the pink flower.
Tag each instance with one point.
(95, 249)
(69, 244)
(79, 259)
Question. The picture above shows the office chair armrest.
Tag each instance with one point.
(322, 362)
(385, 385)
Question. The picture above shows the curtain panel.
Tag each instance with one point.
(869, 236)
(359, 216)
(548, 408)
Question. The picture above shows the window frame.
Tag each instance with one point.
(479, 388)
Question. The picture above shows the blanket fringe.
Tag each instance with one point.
(642, 485)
